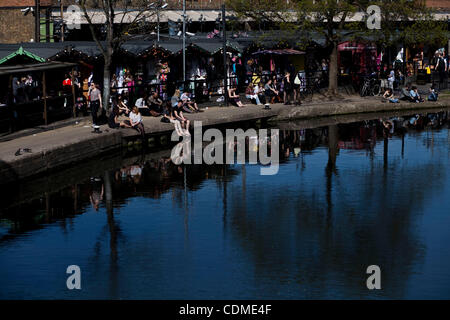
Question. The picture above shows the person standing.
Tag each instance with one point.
(211, 74)
(391, 78)
(441, 67)
(287, 88)
(95, 97)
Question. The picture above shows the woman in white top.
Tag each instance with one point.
(136, 121)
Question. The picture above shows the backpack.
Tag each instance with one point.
(441, 66)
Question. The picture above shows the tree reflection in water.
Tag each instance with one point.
(306, 231)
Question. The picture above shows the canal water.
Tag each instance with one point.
(347, 196)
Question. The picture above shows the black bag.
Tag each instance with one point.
(165, 120)
(441, 65)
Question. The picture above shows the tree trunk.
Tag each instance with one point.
(333, 71)
(106, 84)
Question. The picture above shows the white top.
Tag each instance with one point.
(140, 103)
(135, 118)
(391, 76)
(184, 96)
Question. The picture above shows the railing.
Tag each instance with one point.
(16, 116)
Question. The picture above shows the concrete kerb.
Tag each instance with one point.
(63, 146)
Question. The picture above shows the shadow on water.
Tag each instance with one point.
(308, 236)
(331, 231)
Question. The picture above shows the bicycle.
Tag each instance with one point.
(370, 87)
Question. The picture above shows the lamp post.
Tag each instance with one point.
(225, 67)
(62, 20)
(159, 7)
(37, 21)
(184, 43)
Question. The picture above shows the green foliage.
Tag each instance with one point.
(409, 21)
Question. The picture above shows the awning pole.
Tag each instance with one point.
(225, 68)
(37, 21)
(73, 92)
(184, 45)
(62, 21)
(44, 89)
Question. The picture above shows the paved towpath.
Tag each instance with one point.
(76, 142)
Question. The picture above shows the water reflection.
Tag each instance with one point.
(346, 196)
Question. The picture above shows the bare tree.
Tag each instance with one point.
(122, 20)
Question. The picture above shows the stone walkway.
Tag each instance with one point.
(76, 142)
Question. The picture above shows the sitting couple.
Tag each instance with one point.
(188, 105)
(174, 115)
(134, 119)
(411, 94)
(151, 106)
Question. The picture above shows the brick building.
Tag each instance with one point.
(441, 5)
(17, 25)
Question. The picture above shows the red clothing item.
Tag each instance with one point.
(67, 82)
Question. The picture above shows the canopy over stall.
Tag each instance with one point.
(280, 52)
(29, 68)
(24, 109)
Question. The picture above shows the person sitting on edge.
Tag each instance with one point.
(113, 120)
(169, 114)
(433, 94)
(135, 121)
(259, 91)
(155, 104)
(415, 96)
(277, 87)
(405, 95)
(178, 112)
(188, 105)
(141, 104)
(389, 96)
(249, 94)
(123, 109)
(270, 91)
(175, 98)
(234, 98)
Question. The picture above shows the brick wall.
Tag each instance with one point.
(441, 4)
(23, 3)
(196, 4)
(15, 27)
(173, 4)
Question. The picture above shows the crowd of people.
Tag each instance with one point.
(147, 105)
(271, 89)
(410, 93)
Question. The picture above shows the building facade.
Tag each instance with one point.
(17, 19)
(19, 24)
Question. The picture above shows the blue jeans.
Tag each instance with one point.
(255, 97)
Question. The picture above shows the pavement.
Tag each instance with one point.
(64, 145)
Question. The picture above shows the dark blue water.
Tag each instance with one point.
(346, 197)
